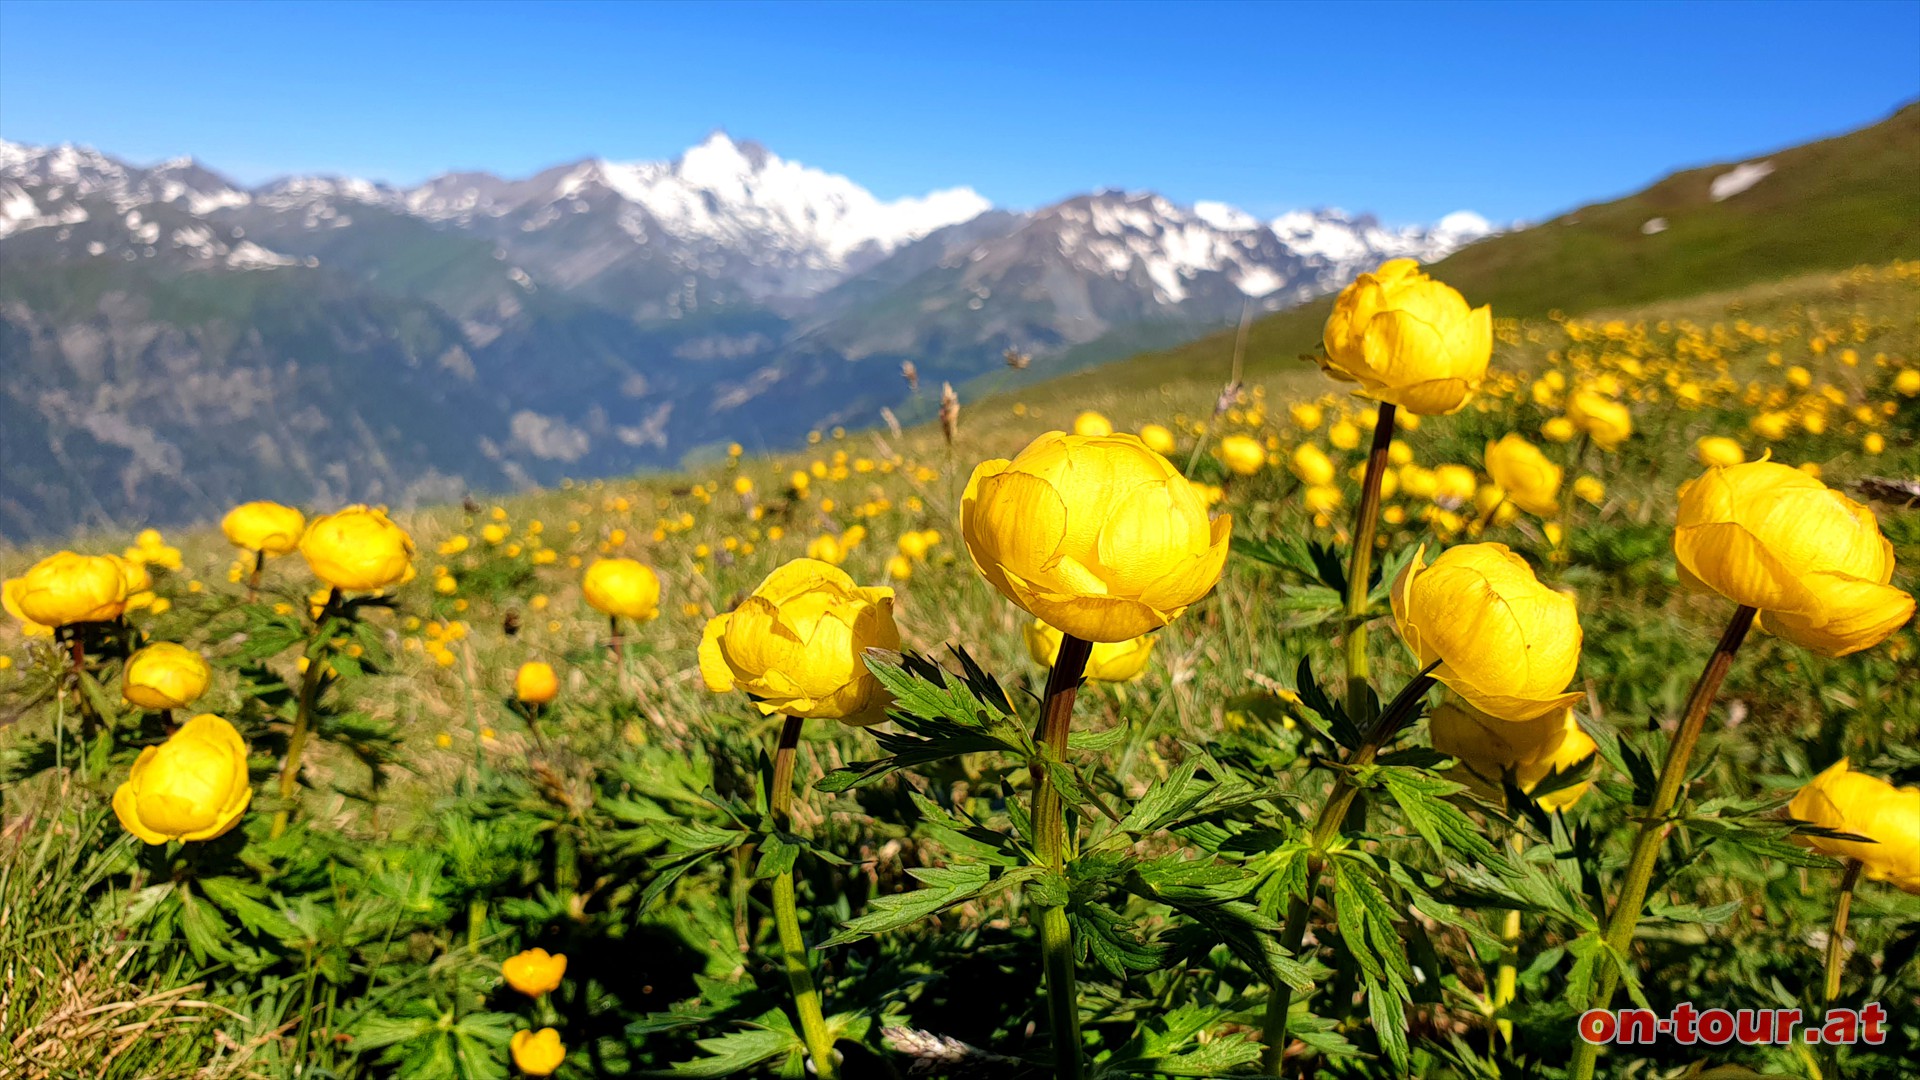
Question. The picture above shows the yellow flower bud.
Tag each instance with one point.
(1312, 465)
(1109, 661)
(537, 1053)
(1101, 537)
(535, 683)
(1851, 802)
(1713, 450)
(1408, 340)
(1606, 421)
(1158, 438)
(1502, 640)
(65, 588)
(164, 676)
(264, 526)
(535, 971)
(1812, 560)
(622, 587)
(1242, 456)
(194, 786)
(1488, 746)
(10, 600)
(357, 550)
(1531, 481)
(1092, 423)
(798, 643)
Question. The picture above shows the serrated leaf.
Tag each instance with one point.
(945, 886)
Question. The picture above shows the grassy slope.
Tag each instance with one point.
(1828, 205)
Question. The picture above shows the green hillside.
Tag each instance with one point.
(1828, 205)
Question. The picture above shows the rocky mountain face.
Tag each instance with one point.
(174, 342)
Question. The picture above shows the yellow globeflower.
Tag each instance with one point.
(1851, 802)
(1503, 641)
(1306, 416)
(798, 643)
(1408, 340)
(535, 971)
(1488, 746)
(1907, 383)
(1454, 485)
(1242, 456)
(266, 527)
(1312, 465)
(165, 676)
(1092, 423)
(1099, 536)
(537, 1053)
(1322, 499)
(194, 786)
(1529, 480)
(1717, 450)
(66, 588)
(1158, 438)
(1777, 539)
(622, 587)
(1559, 429)
(535, 683)
(357, 550)
(899, 567)
(1110, 661)
(1590, 488)
(1606, 421)
(1343, 435)
(913, 544)
(10, 600)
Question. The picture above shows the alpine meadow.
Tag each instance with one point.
(1491, 635)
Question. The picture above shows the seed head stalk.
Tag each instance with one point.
(1050, 838)
(1653, 827)
(786, 917)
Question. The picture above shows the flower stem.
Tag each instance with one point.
(1360, 566)
(302, 720)
(1653, 826)
(253, 579)
(1050, 838)
(1837, 936)
(786, 918)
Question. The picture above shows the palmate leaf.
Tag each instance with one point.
(945, 887)
(965, 840)
(1107, 937)
(1445, 827)
(941, 716)
(770, 1035)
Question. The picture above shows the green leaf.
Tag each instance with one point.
(246, 902)
(737, 1052)
(945, 887)
(1446, 828)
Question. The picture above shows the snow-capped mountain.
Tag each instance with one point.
(595, 317)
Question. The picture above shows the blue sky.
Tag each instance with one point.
(1410, 111)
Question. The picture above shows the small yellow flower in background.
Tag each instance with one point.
(443, 740)
(1559, 430)
(194, 786)
(1874, 443)
(1242, 456)
(358, 550)
(1306, 416)
(1312, 465)
(743, 485)
(493, 533)
(165, 676)
(1851, 802)
(1771, 426)
(537, 1053)
(899, 567)
(446, 585)
(797, 644)
(1529, 480)
(1158, 438)
(1417, 482)
(1607, 422)
(1454, 485)
(1799, 378)
(1092, 423)
(10, 600)
(1110, 661)
(1488, 746)
(1408, 340)
(1322, 499)
(65, 588)
(535, 971)
(1712, 450)
(535, 683)
(827, 548)
(913, 544)
(266, 527)
(152, 549)
(1907, 383)
(1343, 435)
(1590, 488)
(455, 545)
(1812, 560)
(1503, 641)
(1099, 536)
(622, 587)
